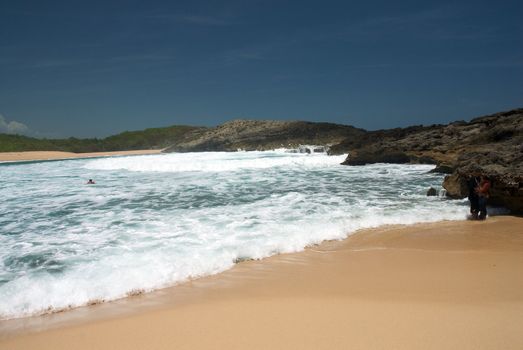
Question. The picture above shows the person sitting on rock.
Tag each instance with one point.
(483, 191)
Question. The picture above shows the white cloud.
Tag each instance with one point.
(13, 127)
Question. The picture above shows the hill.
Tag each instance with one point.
(153, 138)
(261, 135)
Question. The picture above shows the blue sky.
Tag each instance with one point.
(95, 68)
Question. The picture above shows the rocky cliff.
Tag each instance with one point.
(252, 135)
(490, 145)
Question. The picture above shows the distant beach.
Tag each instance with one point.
(445, 285)
(54, 155)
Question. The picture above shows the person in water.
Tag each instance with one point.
(483, 191)
(472, 185)
(91, 182)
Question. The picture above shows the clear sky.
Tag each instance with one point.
(95, 68)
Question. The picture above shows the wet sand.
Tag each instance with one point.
(447, 285)
(52, 155)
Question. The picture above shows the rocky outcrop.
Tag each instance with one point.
(432, 192)
(490, 145)
(376, 154)
(506, 190)
(456, 186)
(496, 150)
(252, 135)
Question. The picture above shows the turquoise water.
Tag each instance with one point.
(154, 221)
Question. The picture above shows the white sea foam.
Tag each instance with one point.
(212, 162)
(153, 221)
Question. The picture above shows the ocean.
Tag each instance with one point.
(154, 221)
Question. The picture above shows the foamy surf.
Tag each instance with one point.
(154, 221)
(215, 162)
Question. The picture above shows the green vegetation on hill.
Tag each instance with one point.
(154, 138)
(18, 143)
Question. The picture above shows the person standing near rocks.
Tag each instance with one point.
(483, 191)
(472, 185)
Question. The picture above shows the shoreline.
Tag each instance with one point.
(35, 156)
(423, 279)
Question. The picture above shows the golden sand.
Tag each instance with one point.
(52, 155)
(447, 285)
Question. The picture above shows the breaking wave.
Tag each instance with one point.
(154, 221)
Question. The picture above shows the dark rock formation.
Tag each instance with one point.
(490, 145)
(376, 154)
(443, 168)
(432, 192)
(495, 151)
(253, 135)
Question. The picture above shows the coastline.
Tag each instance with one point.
(56, 155)
(452, 284)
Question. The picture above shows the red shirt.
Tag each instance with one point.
(483, 188)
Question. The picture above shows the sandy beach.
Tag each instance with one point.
(52, 155)
(447, 285)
